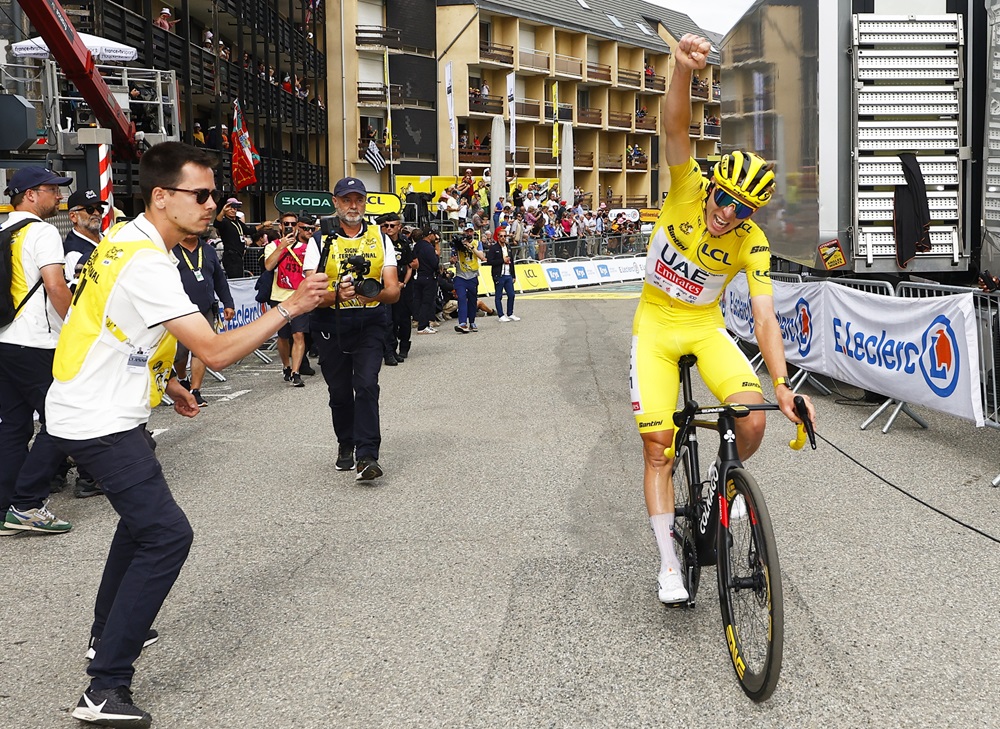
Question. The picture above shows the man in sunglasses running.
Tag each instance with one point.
(703, 237)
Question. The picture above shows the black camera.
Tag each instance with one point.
(358, 267)
(463, 245)
(329, 225)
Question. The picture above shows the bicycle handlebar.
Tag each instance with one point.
(803, 429)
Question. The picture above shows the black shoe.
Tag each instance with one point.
(390, 360)
(111, 707)
(345, 458)
(287, 374)
(151, 637)
(186, 384)
(368, 470)
(306, 368)
(58, 483)
(202, 402)
(400, 356)
(297, 380)
(86, 487)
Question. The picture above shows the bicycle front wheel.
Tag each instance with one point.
(750, 587)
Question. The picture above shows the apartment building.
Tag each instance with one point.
(601, 67)
(223, 50)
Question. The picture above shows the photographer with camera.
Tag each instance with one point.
(425, 281)
(467, 252)
(285, 257)
(352, 322)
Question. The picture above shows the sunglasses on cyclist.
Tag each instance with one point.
(89, 209)
(201, 195)
(723, 199)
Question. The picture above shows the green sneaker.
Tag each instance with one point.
(36, 520)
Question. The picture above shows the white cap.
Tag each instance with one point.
(165, 11)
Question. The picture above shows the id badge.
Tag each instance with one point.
(197, 275)
(138, 361)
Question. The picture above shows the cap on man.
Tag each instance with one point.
(86, 212)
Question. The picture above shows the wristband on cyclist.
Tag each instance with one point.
(782, 381)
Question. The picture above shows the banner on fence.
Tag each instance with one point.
(921, 351)
(244, 302)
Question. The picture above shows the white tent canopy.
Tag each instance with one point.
(102, 50)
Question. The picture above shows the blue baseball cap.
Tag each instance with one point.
(29, 177)
(348, 185)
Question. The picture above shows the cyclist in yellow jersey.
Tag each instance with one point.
(703, 237)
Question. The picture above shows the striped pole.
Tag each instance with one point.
(107, 187)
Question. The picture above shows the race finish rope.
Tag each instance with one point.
(903, 491)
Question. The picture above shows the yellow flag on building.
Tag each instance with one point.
(555, 119)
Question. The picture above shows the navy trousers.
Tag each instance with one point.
(25, 376)
(467, 291)
(147, 552)
(351, 358)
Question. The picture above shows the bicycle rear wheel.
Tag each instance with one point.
(750, 588)
(685, 518)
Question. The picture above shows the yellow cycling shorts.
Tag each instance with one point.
(661, 335)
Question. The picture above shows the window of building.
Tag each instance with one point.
(643, 28)
(583, 4)
(485, 32)
(616, 22)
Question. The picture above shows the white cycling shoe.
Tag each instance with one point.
(738, 508)
(671, 587)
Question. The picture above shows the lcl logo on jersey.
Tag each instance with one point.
(940, 357)
(714, 259)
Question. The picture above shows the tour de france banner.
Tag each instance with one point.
(922, 351)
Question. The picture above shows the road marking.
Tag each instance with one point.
(158, 431)
(227, 397)
(581, 295)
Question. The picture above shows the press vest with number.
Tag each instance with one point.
(92, 324)
(371, 246)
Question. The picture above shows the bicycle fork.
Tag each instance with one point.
(709, 505)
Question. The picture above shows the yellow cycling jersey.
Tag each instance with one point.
(686, 267)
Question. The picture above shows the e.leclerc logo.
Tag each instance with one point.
(939, 357)
(803, 318)
(937, 353)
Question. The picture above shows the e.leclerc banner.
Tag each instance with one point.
(922, 351)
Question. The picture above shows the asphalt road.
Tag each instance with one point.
(502, 573)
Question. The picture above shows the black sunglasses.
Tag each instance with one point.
(89, 209)
(201, 195)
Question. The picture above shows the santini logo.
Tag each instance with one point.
(650, 423)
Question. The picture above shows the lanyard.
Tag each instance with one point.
(190, 263)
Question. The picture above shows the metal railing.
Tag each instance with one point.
(655, 83)
(531, 58)
(479, 104)
(565, 112)
(568, 65)
(496, 52)
(598, 72)
(531, 108)
(713, 130)
(579, 247)
(373, 92)
(377, 36)
(628, 77)
(645, 123)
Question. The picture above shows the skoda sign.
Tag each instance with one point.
(316, 202)
(320, 202)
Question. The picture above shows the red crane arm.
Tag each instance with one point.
(77, 63)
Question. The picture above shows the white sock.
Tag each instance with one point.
(663, 528)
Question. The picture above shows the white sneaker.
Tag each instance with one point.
(427, 330)
(671, 587)
(513, 318)
(504, 318)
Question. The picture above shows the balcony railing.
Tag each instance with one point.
(568, 65)
(619, 119)
(655, 83)
(636, 163)
(520, 156)
(699, 89)
(598, 72)
(636, 201)
(531, 108)
(583, 159)
(373, 93)
(713, 130)
(694, 130)
(529, 58)
(479, 104)
(565, 112)
(376, 36)
(628, 77)
(585, 115)
(645, 123)
(382, 149)
(613, 201)
(716, 93)
(496, 53)
(610, 161)
(545, 157)
(470, 156)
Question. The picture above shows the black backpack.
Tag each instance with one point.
(7, 309)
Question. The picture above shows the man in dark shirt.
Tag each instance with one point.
(203, 279)
(398, 335)
(425, 280)
(85, 212)
(236, 235)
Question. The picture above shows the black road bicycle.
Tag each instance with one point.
(730, 528)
